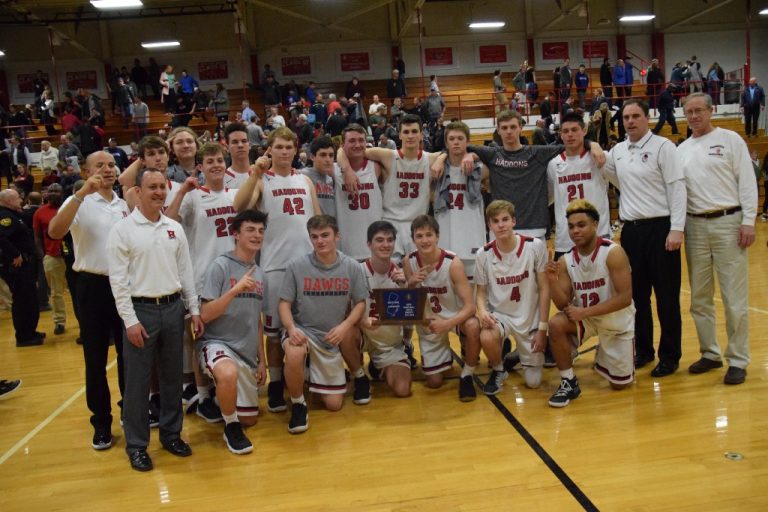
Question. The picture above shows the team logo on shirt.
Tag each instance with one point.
(323, 286)
(716, 150)
(171, 235)
(645, 157)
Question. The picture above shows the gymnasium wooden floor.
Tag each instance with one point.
(661, 445)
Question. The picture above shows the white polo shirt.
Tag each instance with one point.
(90, 228)
(719, 174)
(149, 259)
(649, 171)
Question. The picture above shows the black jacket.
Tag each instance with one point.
(15, 237)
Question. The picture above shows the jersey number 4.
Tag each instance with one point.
(514, 296)
(575, 192)
(224, 226)
(359, 201)
(409, 190)
(293, 206)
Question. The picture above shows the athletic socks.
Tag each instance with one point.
(358, 373)
(468, 371)
(299, 400)
(499, 367)
(229, 418)
(203, 392)
(567, 374)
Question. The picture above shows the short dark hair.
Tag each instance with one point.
(410, 119)
(143, 171)
(381, 226)
(151, 142)
(424, 221)
(319, 143)
(249, 215)
(352, 127)
(234, 127)
(572, 117)
(321, 222)
(636, 101)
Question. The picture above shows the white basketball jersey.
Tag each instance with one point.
(591, 283)
(462, 224)
(384, 335)
(442, 300)
(355, 212)
(406, 191)
(173, 189)
(234, 179)
(577, 177)
(207, 218)
(510, 280)
(287, 200)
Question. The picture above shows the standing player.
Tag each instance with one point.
(573, 175)
(239, 146)
(592, 288)
(356, 211)
(512, 297)
(407, 177)
(153, 154)
(289, 199)
(321, 173)
(232, 347)
(322, 300)
(449, 306)
(459, 201)
(384, 343)
(206, 213)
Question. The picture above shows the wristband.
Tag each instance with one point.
(543, 326)
(75, 198)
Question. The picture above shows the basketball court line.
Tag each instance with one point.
(32, 433)
(718, 299)
(539, 450)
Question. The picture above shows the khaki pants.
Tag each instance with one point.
(55, 269)
(711, 248)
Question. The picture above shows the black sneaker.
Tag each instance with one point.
(569, 390)
(8, 387)
(189, 398)
(506, 347)
(511, 361)
(374, 372)
(299, 419)
(209, 411)
(102, 440)
(362, 394)
(549, 359)
(276, 401)
(236, 440)
(495, 382)
(59, 329)
(467, 391)
(409, 353)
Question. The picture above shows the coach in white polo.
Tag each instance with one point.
(722, 207)
(653, 197)
(150, 271)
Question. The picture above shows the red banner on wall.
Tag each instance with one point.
(215, 70)
(82, 79)
(358, 61)
(554, 51)
(493, 54)
(296, 65)
(438, 56)
(594, 49)
(26, 82)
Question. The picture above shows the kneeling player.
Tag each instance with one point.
(318, 290)
(232, 348)
(592, 286)
(384, 343)
(512, 296)
(449, 306)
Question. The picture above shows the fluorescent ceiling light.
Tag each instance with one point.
(487, 24)
(637, 17)
(161, 44)
(2, 53)
(764, 12)
(116, 4)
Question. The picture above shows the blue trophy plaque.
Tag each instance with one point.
(400, 305)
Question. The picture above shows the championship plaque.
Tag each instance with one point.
(400, 305)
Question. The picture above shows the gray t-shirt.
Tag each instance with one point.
(238, 327)
(520, 177)
(324, 189)
(322, 294)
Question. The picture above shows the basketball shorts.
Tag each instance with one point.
(247, 383)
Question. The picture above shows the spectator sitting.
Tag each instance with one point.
(49, 156)
(50, 177)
